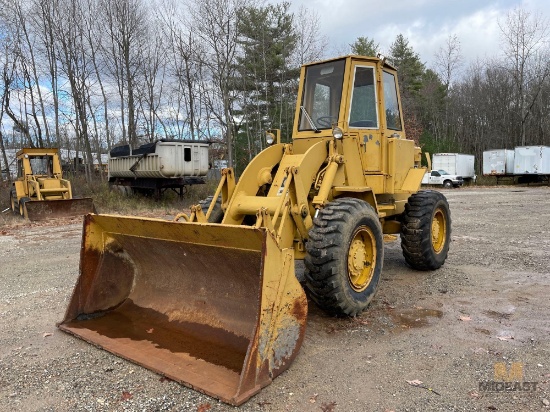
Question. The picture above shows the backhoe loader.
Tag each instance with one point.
(211, 299)
(40, 192)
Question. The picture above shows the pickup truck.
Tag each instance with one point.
(441, 177)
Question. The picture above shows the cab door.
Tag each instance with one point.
(363, 115)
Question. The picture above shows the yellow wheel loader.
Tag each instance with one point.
(40, 192)
(211, 299)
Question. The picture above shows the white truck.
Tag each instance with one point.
(156, 167)
(455, 164)
(441, 177)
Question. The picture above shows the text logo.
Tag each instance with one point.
(507, 379)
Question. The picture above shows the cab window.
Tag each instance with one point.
(322, 94)
(393, 118)
(41, 165)
(363, 112)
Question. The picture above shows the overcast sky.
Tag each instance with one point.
(425, 23)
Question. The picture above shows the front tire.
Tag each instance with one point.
(23, 206)
(216, 216)
(447, 184)
(426, 230)
(345, 253)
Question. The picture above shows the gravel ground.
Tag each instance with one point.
(488, 304)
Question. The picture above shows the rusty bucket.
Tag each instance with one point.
(50, 209)
(214, 307)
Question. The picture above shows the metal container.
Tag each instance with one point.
(169, 160)
(532, 160)
(455, 164)
(498, 162)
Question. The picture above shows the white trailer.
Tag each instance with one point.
(532, 160)
(455, 164)
(498, 162)
(155, 167)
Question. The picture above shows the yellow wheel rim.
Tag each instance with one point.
(361, 258)
(439, 230)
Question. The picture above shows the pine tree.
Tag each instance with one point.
(266, 84)
(364, 46)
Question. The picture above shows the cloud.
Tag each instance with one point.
(425, 23)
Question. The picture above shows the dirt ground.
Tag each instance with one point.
(489, 304)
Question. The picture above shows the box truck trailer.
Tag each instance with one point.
(455, 164)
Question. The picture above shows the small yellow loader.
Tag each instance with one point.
(40, 192)
(211, 299)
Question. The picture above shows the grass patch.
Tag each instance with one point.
(113, 202)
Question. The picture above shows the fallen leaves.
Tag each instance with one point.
(46, 334)
(328, 407)
(419, 384)
(505, 338)
(126, 396)
(313, 399)
(361, 321)
(203, 407)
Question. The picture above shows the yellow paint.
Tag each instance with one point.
(271, 208)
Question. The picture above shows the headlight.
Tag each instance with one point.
(337, 133)
(269, 138)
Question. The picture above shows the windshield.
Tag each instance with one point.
(442, 172)
(41, 165)
(322, 95)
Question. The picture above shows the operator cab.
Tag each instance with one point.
(345, 93)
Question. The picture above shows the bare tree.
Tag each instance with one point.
(186, 69)
(525, 40)
(77, 69)
(311, 44)
(448, 60)
(152, 78)
(216, 25)
(94, 37)
(127, 29)
(44, 14)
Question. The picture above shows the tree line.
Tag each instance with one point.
(497, 103)
(89, 74)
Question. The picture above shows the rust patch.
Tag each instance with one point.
(52, 209)
(299, 310)
(134, 323)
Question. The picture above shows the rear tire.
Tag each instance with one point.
(345, 253)
(13, 201)
(426, 230)
(216, 216)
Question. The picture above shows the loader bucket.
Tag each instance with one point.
(215, 307)
(51, 209)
